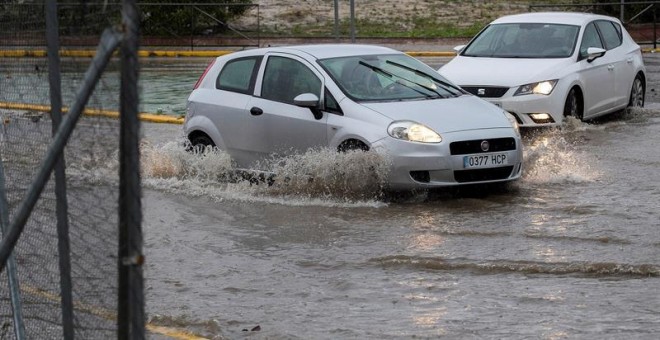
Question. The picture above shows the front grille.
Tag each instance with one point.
(474, 146)
(479, 175)
(486, 91)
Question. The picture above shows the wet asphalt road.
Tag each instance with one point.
(571, 251)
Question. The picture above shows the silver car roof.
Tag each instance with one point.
(321, 51)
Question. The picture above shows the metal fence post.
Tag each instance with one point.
(130, 318)
(15, 292)
(63, 243)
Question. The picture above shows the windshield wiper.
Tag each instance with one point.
(423, 74)
(390, 75)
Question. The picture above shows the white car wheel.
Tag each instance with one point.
(572, 105)
(637, 93)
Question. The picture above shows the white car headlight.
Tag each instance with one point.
(413, 132)
(542, 87)
(514, 122)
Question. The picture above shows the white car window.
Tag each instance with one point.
(285, 78)
(524, 40)
(610, 34)
(590, 38)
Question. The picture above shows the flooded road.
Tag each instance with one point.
(572, 250)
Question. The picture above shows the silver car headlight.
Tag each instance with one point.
(543, 87)
(413, 132)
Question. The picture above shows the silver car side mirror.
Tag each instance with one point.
(311, 101)
(594, 52)
(306, 100)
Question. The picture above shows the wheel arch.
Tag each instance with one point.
(202, 125)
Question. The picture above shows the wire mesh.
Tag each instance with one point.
(92, 176)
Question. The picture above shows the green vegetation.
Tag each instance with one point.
(162, 17)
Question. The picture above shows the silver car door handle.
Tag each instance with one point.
(255, 111)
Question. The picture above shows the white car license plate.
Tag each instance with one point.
(485, 161)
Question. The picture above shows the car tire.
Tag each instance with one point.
(352, 145)
(572, 106)
(637, 93)
(199, 143)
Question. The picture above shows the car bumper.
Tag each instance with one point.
(419, 165)
(533, 109)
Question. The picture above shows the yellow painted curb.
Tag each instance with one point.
(147, 117)
(111, 315)
(91, 53)
(430, 54)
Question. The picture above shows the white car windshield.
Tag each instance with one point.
(524, 40)
(388, 78)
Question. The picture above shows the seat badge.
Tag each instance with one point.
(481, 92)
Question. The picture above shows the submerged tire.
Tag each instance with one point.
(572, 105)
(200, 142)
(352, 145)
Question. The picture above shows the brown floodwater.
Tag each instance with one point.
(572, 250)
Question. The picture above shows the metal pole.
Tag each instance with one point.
(15, 291)
(655, 21)
(63, 244)
(352, 21)
(130, 316)
(336, 30)
(622, 10)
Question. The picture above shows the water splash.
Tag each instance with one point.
(317, 177)
(553, 156)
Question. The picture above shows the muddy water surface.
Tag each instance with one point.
(572, 250)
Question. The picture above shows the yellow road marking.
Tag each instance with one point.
(111, 315)
(147, 117)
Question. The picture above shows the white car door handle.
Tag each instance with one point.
(610, 67)
(629, 60)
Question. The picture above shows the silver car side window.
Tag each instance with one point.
(285, 78)
(238, 75)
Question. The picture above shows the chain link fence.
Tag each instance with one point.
(69, 185)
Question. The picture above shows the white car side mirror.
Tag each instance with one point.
(594, 53)
(459, 48)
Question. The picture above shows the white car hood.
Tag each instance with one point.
(509, 72)
(466, 112)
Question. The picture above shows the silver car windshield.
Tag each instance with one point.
(388, 78)
(524, 40)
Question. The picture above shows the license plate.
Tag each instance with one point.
(485, 161)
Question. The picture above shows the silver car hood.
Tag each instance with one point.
(509, 72)
(466, 112)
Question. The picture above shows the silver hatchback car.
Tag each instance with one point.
(283, 100)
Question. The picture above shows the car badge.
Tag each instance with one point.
(485, 146)
(481, 92)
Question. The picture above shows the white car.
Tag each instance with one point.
(542, 67)
(282, 100)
